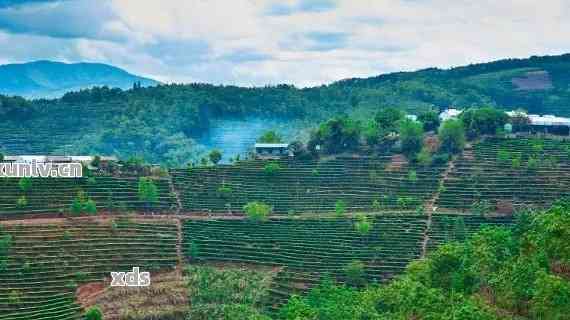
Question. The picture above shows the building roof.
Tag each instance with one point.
(48, 158)
(449, 114)
(548, 120)
(271, 145)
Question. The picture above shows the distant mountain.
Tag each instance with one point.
(49, 79)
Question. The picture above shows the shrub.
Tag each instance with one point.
(516, 162)
(272, 168)
(25, 184)
(355, 273)
(376, 206)
(340, 207)
(532, 163)
(90, 207)
(363, 226)
(22, 202)
(503, 157)
(440, 158)
(424, 158)
(224, 191)
(94, 313)
(412, 176)
(257, 211)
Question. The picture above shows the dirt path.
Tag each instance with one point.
(176, 194)
(430, 204)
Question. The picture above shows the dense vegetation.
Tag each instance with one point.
(498, 273)
(160, 123)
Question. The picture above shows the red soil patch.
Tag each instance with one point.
(87, 292)
(397, 162)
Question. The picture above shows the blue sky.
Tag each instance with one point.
(259, 42)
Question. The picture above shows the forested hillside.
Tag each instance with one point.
(161, 123)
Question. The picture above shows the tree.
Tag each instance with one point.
(1, 157)
(451, 136)
(147, 191)
(270, 137)
(411, 134)
(215, 156)
(387, 119)
(94, 313)
(484, 120)
(336, 135)
(430, 120)
(257, 211)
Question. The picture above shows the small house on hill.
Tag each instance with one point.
(548, 124)
(449, 114)
(272, 150)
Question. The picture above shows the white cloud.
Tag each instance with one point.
(255, 42)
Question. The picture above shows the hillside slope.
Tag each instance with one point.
(162, 123)
(43, 79)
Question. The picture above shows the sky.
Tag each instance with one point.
(265, 42)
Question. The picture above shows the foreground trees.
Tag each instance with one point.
(498, 273)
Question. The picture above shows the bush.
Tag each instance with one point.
(355, 273)
(25, 184)
(440, 159)
(340, 207)
(257, 211)
(412, 176)
(22, 202)
(503, 157)
(90, 207)
(271, 169)
(532, 164)
(94, 313)
(424, 158)
(363, 226)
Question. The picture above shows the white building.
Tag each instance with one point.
(272, 150)
(449, 114)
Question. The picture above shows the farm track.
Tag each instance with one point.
(430, 204)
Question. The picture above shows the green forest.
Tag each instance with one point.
(161, 123)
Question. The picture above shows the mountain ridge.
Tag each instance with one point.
(52, 79)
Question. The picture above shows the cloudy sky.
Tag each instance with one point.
(258, 42)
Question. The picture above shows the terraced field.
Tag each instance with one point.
(498, 171)
(52, 195)
(307, 186)
(47, 262)
(446, 227)
(307, 248)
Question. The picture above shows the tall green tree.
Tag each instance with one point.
(451, 136)
(411, 137)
